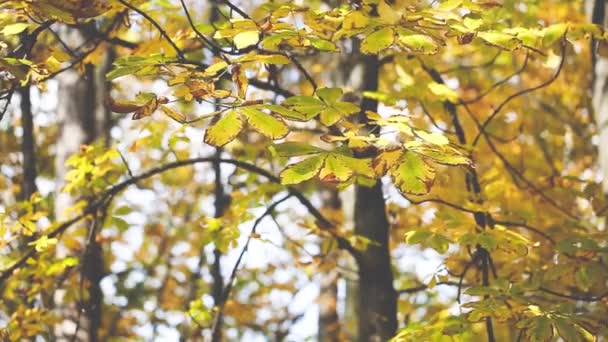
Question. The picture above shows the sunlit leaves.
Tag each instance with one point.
(554, 33)
(246, 39)
(433, 240)
(303, 170)
(93, 168)
(43, 243)
(137, 66)
(270, 126)
(225, 129)
(412, 175)
(294, 148)
(231, 124)
(14, 29)
(418, 43)
(500, 39)
(378, 41)
(327, 106)
(443, 92)
(330, 167)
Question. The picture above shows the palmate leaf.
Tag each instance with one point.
(334, 170)
(412, 175)
(309, 106)
(438, 153)
(229, 126)
(329, 95)
(326, 105)
(302, 171)
(331, 167)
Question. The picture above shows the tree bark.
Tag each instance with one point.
(28, 144)
(81, 119)
(596, 10)
(328, 320)
(377, 297)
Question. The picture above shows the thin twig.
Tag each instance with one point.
(163, 33)
(499, 108)
(235, 268)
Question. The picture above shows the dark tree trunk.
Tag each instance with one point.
(28, 144)
(377, 295)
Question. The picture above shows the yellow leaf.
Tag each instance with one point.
(173, 114)
(378, 41)
(388, 14)
(246, 39)
(225, 130)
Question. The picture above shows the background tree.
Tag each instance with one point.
(463, 130)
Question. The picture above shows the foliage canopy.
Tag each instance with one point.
(474, 116)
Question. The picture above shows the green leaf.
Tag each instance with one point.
(540, 329)
(412, 175)
(487, 241)
(286, 112)
(295, 148)
(419, 43)
(246, 39)
(554, 33)
(120, 223)
(378, 41)
(500, 39)
(330, 95)
(303, 171)
(415, 237)
(122, 71)
(123, 210)
(270, 126)
(322, 44)
(310, 106)
(567, 330)
(346, 108)
(14, 28)
(439, 243)
(225, 130)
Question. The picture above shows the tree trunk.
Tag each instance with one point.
(596, 10)
(28, 144)
(328, 320)
(377, 297)
(81, 119)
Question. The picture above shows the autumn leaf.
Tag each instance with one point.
(224, 130)
(303, 170)
(378, 41)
